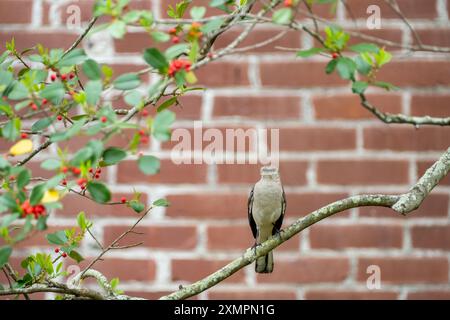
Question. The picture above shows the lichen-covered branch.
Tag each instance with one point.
(415, 196)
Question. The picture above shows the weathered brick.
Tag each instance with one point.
(431, 237)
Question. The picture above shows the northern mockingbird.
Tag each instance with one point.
(266, 208)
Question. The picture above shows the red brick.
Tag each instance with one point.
(412, 9)
(406, 138)
(423, 166)
(195, 269)
(15, 11)
(135, 42)
(406, 270)
(349, 106)
(315, 138)
(299, 73)
(73, 204)
(431, 105)
(128, 172)
(434, 37)
(142, 270)
(350, 295)
(291, 172)
(260, 107)
(222, 74)
(299, 205)
(434, 205)
(429, 295)
(416, 73)
(393, 35)
(158, 237)
(208, 206)
(189, 107)
(307, 270)
(26, 40)
(355, 236)
(364, 172)
(252, 295)
(431, 237)
(219, 239)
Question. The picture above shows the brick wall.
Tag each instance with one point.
(330, 148)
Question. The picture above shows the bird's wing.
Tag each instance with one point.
(251, 221)
(277, 225)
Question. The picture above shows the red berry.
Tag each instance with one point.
(178, 64)
(83, 187)
(53, 77)
(123, 200)
(287, 3)
(11, 178)
(56, 250)
(44, 101)
(144, 112)
(64, 182)
(24, 135)
(34, 106)
(97, 176)
(76, 171)
(98, 171)
(64, 77)
(334, 55)
(173, 31)
(71, 76)
(175, 39)
(64, 255)
(103, 119)
(91, 170)
(59, 117)
(141, 132)
(144, 139)
(81, 181)
(64, 169)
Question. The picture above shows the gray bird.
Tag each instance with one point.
(266, 208)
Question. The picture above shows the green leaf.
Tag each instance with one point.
(136, 206)
(37, 194)
(11, 129)
(309, 52)
(127, 81)
(23, 178)
(74, 57)
(133, 98)
(364, 47)
(359, 87)
(156, 59)
(166, 104)
(99, 192)
(5, 253)
(113, 155)
(161, 203)
(176, 50)
(57, 238)
(282, 16)
(117, 29)
(41, 224)
(331, 66)
(386, 85)
(212, 25)
(159, 36)
(149, 165)
(92, 69)
(75, 255)
(41, 124)
(197, 12)
(54, 181)
(18, 92)
(161, 125)
(81, 220)
(346, 68)
(53, 92)
(361, 65)
(93, 91)
(51, 164)
(382, 57)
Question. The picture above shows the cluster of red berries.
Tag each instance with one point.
(96, 174)
(64, 77)
(177, 65)
(64, 255)
(36, 211)
(144, 136)
(173, 32)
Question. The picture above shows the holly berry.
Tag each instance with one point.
(99, 171)
(97, 176)
(71, 76)
(144, 139)
(56, 250)
(34, 106)
(64, 77)
(141, 132)
(175, 39)
(64, 255)
(59, 117)
(76, 171)
(288, 3)
(173, 31)
(44, 101)
(335, 55)
(123, 200)
(53, 77)
(64, 169)
(144, 113)
(24, 135)
(64, 182)
(81, 181)
(103, 119)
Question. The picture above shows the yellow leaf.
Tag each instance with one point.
(190, 77)
(22, 147)
(50, 196)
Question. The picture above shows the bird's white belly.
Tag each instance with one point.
(267, 204)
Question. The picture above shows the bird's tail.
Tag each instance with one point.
(264, 264)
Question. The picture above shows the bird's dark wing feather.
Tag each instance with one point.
(251, 221)
(277, 225)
